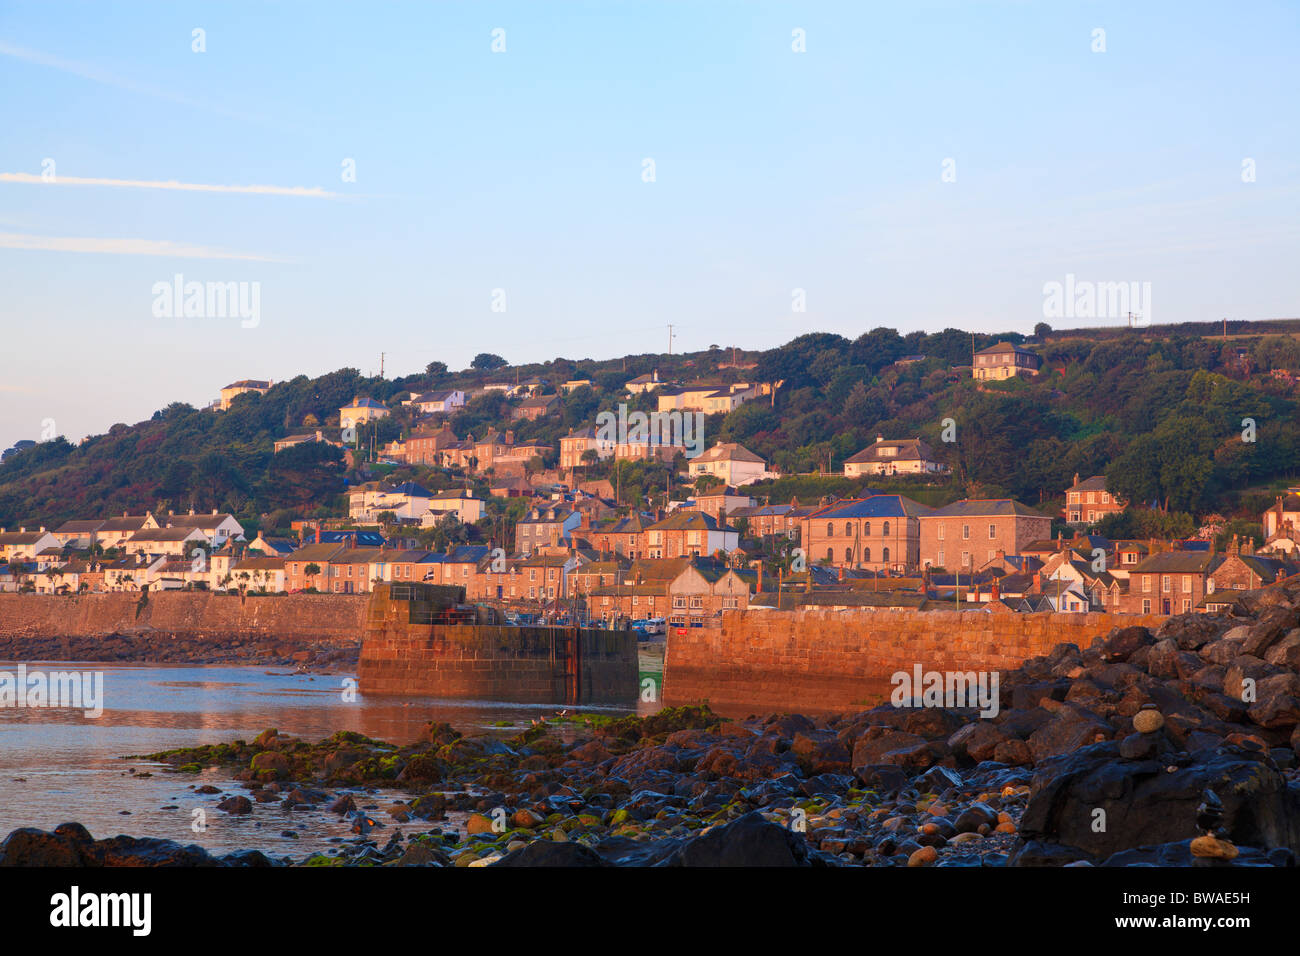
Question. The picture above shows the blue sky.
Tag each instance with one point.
(523, 171)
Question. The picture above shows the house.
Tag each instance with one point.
(970, 532)
(458, 502)
(1087, 502)
(441, 401)
(766, 521)
(1003, 361)
(527, 388)
(1242, 570)
(574, 384)
(407, 502)
(78, 534)
(24, 545)
(879, 533)
(316, 556)
(718, 502)
(361, 411)
(260, 574)
(904, 457)
(300, 439)
(687, 591)
(535, 407)
(490, 447)
(645, 383)
(545, 527)
(431, 447)
(689, 533)
(732, 462)
(709, 398)
(1284, 515)
(1171, 582)
(650, 447)
(242, 387)
(170, 541)
(625, 536)
(575, 445)
(113, 531)
(271, 547)
(217, 527)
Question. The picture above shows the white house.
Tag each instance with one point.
(735, 464)
(24, 545)
(218, 527)
(442, 400)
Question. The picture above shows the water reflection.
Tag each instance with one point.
(58, 765)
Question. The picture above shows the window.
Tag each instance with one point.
(1165, 583)
(1146, 605)
(940, 531)
(830, 530)
(830, 554)
(885, 532)
(848, 555)
(1187, 584)
(1146, 582)
(993, 531)
(1187, 605)
(884, 555)
(965, 531)
(866, 528)
(866, 554)
(939, 558)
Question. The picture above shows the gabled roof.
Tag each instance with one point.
(1004, 348)
(412, 490)
(986, 508)
(80, 527)
(728, 451)
(1178, 562)
(877, 506)
(689, 521)
(907, 449)
(1095, 483)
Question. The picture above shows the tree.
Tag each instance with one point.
(487, 362)
(435, 370)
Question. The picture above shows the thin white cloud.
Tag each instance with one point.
(127, 247)
(313, 192)
(96, 75)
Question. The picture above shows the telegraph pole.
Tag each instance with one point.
(670, 338)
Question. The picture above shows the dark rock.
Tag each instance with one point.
(747, 841)
(236, 804)
(549, 853)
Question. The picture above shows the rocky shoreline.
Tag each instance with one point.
(1176, 747)
(162, 647)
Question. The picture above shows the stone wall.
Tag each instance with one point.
(815, 660)
(484, 661)
(298, 618)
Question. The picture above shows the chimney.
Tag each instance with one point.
(318, 534)
(1076, 479)
(994, 590)
(760, 576)
(1002, 555)
(1038, 580)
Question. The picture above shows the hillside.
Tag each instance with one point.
(1160, 412)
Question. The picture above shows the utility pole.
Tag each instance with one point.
(670, 338)
(381, 364)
